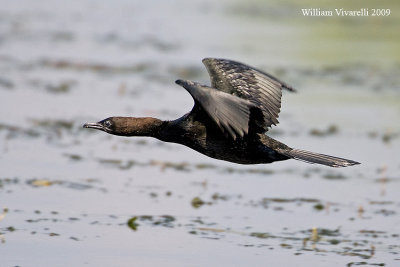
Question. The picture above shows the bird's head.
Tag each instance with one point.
(110, 125)
(127, 126)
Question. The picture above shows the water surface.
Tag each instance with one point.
(71, 196)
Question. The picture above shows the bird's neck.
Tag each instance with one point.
(145, 126)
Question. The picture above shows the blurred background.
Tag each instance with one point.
(71, 196)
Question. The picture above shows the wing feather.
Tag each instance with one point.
(261, 89)
(230, 113)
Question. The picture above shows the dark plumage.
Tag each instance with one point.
(228, 120)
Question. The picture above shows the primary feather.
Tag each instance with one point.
(241, 80)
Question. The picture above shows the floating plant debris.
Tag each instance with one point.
(64, 185)
(132, 223)
(197, 202)
(332, 129)
(95, 67)
(41, 182)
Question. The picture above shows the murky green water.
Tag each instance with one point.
(70, 196)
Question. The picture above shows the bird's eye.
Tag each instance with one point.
(107, 124)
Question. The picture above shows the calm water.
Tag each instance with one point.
(71, 196)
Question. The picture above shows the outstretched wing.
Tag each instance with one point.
(229, 112)
(260, 88)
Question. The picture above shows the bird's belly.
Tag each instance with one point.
(238, 152)
(211, 142)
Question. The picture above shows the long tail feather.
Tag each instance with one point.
(312, 157)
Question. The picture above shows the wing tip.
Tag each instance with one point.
(186, 83)
(206, 60)
(288, 87)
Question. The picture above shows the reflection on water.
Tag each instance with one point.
(64, 188)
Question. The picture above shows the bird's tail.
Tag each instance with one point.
(312, 157)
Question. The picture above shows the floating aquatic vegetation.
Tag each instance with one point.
(319, 207)
(62, 87)
(153, 195)
(45, 182)
(120, 164)
(250, 170)
(54, 129)
(328, 232)
(266, 201)
(262, 235)
(282, 200)
(40, 220)
(334, 176)
(16, 131)
(53, 124)
(8, 181)
(163, 220)
(359, 263)
(201, 166)
(378, 202)
(10, 229)
(182, 166)
(74, 157)
(59, 87)
(361, 76)
(388, 136)
(316, 239)
(217, 196)
(132, 223)
(53, 234)
(324, 173)
(279, 204)
(386, 212)
(40, 182)
(197, 202)
(95, 67)
(332, 129)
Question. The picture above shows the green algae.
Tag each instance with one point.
(132, 223)
(197, 202)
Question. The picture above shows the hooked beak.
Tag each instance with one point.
(94, 125)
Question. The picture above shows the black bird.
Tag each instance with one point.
(228, 120)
